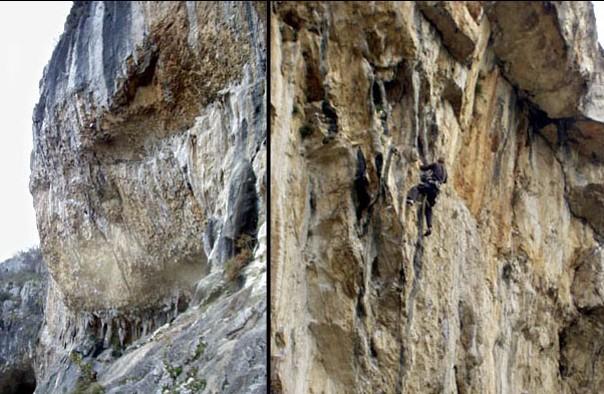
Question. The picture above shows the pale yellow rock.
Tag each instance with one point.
(494, 301)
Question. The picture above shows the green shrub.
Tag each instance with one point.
(197, 385)
(86, 383)
(201, 347)
(174, 372)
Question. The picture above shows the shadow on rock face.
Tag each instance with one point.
(21, 380)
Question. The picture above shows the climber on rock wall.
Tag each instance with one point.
(432, 177)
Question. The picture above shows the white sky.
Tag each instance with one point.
(28, 33)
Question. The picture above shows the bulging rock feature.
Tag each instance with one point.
(588, 283)
(550, 52)
(148, 167)
(119, 184)
(505, 295)
(456, 24)
(538, 54)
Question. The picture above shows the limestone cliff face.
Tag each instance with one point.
(506, 295)
(23, 280)
(148, 178)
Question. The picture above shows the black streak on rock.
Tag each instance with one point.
(361, 195)
(210, 233)
(332, 117)
(313, 202)
(379, 164)
(361, 312)
(116, 27)
(242, 215)
(375, 269)
(377, 94)
(313, 83)
(372, 348)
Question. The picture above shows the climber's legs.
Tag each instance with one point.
(416, 192)
(428, 213)
(430, 191)
(431, 194)
(413, 195)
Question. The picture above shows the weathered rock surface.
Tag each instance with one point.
(148, 178)
(23, 281)
(505, 295)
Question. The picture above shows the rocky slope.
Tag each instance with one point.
(506, 295)
(23, 281)
(148, 178)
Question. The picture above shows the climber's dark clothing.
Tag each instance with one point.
(437, 172)
(430, 191)
(426, 189)
(434, 175)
